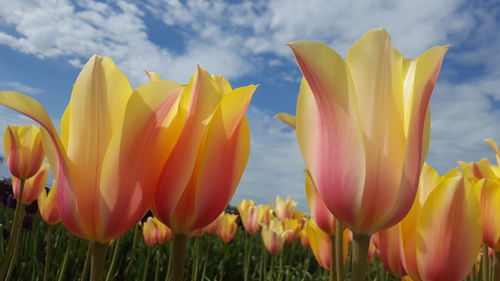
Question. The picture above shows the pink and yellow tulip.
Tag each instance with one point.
(319, 212)
(47, 205)
(274, 236)
(285, 209)
(251, 216)
(32, 186)
(362, 126)
(23, 150)
(207, 156)
(112, 144)
(155, 232)
(227, 227)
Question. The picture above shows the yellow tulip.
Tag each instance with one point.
(285, 209)
(274, 236)
(155, 232)
(32, 186)
(227, 227)
(23, 150)
(47, 205)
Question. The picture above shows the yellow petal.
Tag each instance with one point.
(449, 232)
(153, 76)
(286, 118)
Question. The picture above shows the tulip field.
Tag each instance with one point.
(143, 178)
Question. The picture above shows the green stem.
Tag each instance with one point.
(97, 261)
(48, 252)
(157, 270)
(131, 256)
(280, 268)
(496, 275)
(306, 264)
(360, 265)
(146, 265)
(271, 269)
(333, 263)
(65, 260)
(262, 263)
(194, 269)
(114, 259)
(205, 262)
(179, 256)
(339, 250)
(15, 233)
(85, 269)
(223, 262)
(169, 269)
(245, 257)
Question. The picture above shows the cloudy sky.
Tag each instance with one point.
(43, 45)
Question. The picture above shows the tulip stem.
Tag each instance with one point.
(485, 263)
(360, 265)
(14, 240)
(339, 250)
(169, 268)
(157, 269)
(146, 265)
(97, 261)
(306, 264)
(205, 262)
(333, 253)
(496, 274)
(194, 269)
(179, 248)
(65, 259)
(113, 259)
(48, 252)
(85, 269)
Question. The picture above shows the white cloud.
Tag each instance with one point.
(20, 87)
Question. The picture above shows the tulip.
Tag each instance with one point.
(32, 186)
(47, 205)
(304, 240)
(449, 231)
(285, 209)
(391, 250)
(212, 227)
(274, 236)
(206, 160)
(320, 243)
(319, 212)
(363, 130)
(250, 215)
(294, 226)
(108, 157)
(227, 227)
(23, 150)
(155, 232)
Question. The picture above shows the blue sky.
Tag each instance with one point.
(43, 45)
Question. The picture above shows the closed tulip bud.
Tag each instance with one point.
(285, 209)
(32, 186)
(47, 204)
(23, 150)
(274, 236)
(227, 227)
(155, 232)
(304, 240)
(294, 226)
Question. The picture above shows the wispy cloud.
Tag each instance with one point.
(20, 87)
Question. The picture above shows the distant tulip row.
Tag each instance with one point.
(362, 124)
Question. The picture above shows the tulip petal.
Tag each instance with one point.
(376, 69)
(494, 146)
(328, 128)
(391, 250)
(319, 212)
(287, 119)
(320, 243)
(423, 73)
(133, 161)
(449, 232)
(490, 200)
(198, 103)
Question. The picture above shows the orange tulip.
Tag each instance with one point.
(319, 212)
(274, 236)
(32, 186)
(227, 227)
(23, 150)
(208, 156)
(113, 142)
(155, 232)
(47, 205)
(362, 127)
(213, 226)
(285, 209)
